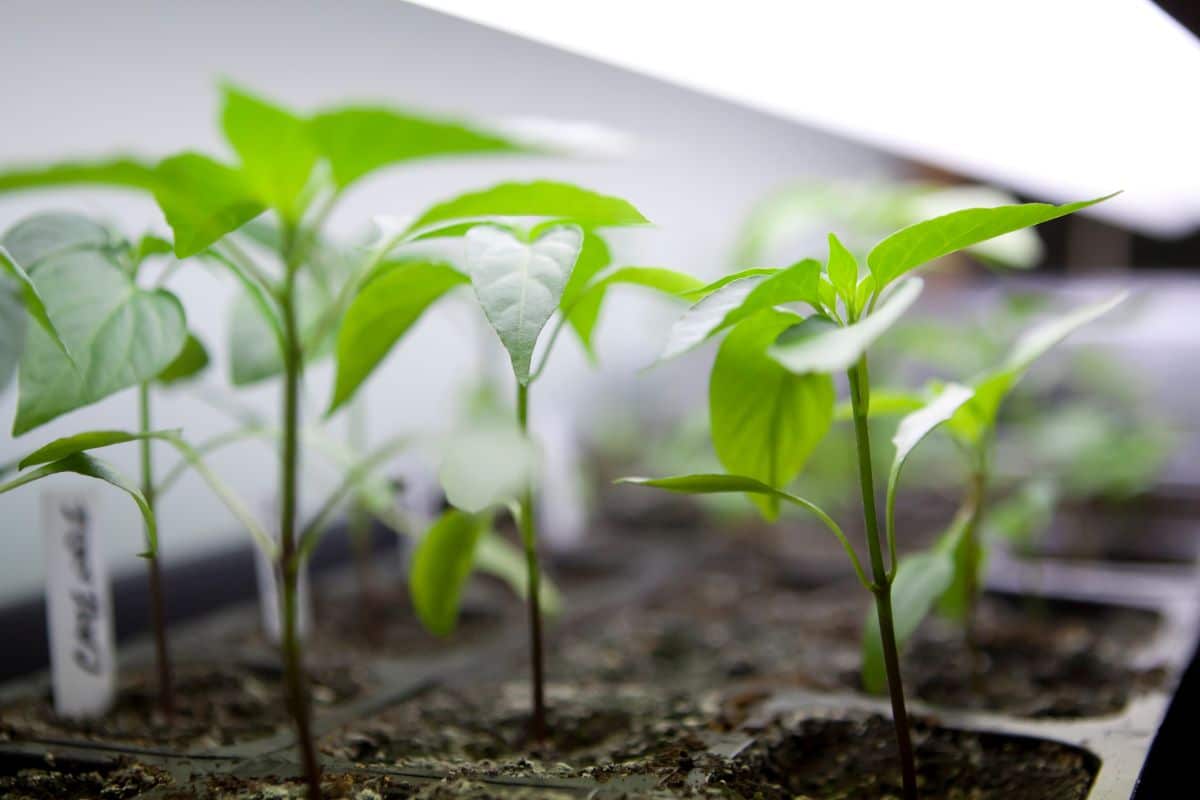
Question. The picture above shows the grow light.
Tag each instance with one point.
(1058, 100)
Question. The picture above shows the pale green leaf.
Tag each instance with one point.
(921, 243)
(1034, 343)
(816, 345)
(12, 334)
(584, 312)
(546, 199)
(499, 558)
(919, 424)
(384, 310)
(360, 140)
(519, 284)
(725, 280)
(705, 318)
(46, 234)
(765, 420)
(256, 352)
(33, 304)
(920, 580)
(83, 464)
(487, 467)
(275, 147)
(120, 336)
(203, 200)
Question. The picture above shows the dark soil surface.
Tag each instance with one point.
(215, 706)
(67, 782)
(856, 759)
(747, 616)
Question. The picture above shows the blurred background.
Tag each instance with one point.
(727, 187)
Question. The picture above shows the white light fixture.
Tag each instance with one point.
(1059, 99)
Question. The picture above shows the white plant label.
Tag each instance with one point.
(269, 598)
(79, 615)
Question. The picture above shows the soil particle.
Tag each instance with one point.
(822, 759)
(214, 706)
(51, 783)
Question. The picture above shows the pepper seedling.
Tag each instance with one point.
(948, 573)
(296, 167)
(522, 276)
(771, 398)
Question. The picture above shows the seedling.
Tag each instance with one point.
(115, 334)
(771, 397)
(297, 168)
(522, 276)
(948, 574)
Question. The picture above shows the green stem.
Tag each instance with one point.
(977, 492)
(860, 400)
(533, 575)
(158, 613)
(289, 561)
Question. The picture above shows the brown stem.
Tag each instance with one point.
(158, 612)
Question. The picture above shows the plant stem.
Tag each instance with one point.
(860, 400)
(977, 490)
(537, 726)
(289, 562)
(158, 614)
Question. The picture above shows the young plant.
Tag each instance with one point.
(297, 167)
(948, 574)
(771, 396)
(522, 274)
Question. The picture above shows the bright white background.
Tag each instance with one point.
(84, 79)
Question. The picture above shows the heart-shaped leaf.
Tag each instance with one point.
(765, 420)
(819, 345)
(43, 235)
(119, 334)
(33, 305)
(519, 284)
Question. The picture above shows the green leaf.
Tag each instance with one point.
(884, 403)
(499, 558)
(725, 280)
(1033, 344)
(83, 464)
(150, 245)
(818, 345)
(384, 310)
(275, 147)
(256, 352)
(78, 443)
(919, 424)
(705, 319)
(440, 567)
(121, 172)
(920, 581)
(519, 284)
(33, 304)
(765, 420)
(120, 335)
(191, 361)
(976, 419)
(487, 467)
(843, 270)
(921, 243)
(203, 200)
(360, 140)
(584, 313)
(43, 235)
(547, 199)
